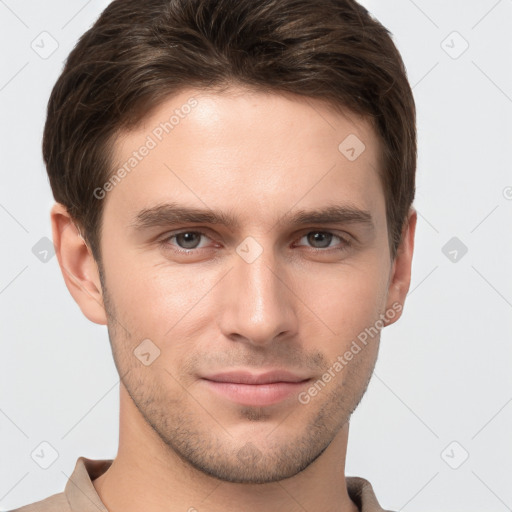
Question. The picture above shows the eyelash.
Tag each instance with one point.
(346, 243)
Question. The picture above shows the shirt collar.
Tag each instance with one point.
(361, 493)
(79, 491)
(82, 496)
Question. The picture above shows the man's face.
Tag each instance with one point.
(262, 294)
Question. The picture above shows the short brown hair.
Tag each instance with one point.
(140, 52)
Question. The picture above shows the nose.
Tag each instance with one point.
(258, 301)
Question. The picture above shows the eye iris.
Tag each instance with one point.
(187, 239)
(320, 236)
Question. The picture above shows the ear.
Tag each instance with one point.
(400, 277)
(78, 265)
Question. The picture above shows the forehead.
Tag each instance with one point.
(274, 117)
(258, 151)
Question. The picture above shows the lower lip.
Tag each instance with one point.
(257, 395)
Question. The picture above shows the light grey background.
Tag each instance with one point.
(442, 388)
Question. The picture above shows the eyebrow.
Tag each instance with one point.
(173, 213)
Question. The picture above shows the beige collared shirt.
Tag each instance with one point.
(81, 496)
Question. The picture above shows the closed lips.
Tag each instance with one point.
(255, 379)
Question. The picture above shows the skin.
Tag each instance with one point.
(260, 157)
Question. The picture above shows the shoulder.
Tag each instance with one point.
(55, 503)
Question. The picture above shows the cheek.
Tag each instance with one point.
(157, 300)
(350, 299)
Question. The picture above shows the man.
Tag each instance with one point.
(234, 183)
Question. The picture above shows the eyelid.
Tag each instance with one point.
(332, 231)
(345, 238)
(165, 238)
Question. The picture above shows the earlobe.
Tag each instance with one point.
(400, 278)
(78, 266)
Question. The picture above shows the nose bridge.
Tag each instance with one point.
(258, 306)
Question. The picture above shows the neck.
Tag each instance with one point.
(147, 475)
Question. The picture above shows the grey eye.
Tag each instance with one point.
(188, 239)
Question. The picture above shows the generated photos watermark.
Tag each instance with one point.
(152, 140)
(342, 360)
